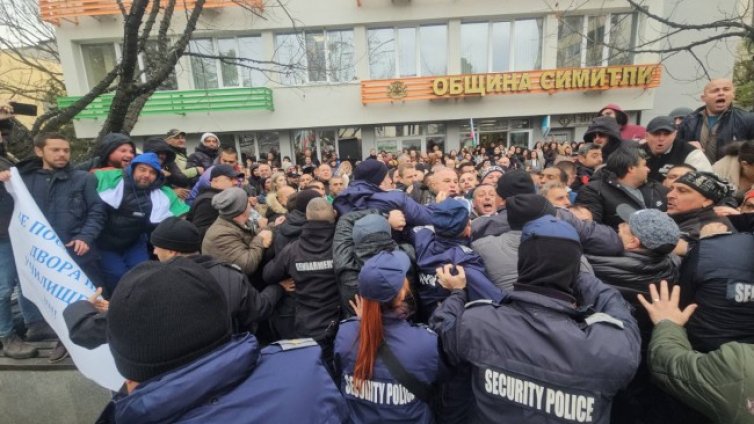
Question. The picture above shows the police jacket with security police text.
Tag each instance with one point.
(537, 359)
(238, 383)
(383, 398)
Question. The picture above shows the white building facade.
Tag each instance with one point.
(385, 75)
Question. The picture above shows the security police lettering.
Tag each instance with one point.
(744, 293)
(379, 392)
(564, 405)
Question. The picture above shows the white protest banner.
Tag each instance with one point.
(52, 280)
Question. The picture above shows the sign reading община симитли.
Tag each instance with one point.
(529, 82)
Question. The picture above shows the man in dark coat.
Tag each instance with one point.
(309, 261)
(170, 336)
(692, 200)
(561, 336)
(202, 214)
(115, 150)
(622, 180)
(206, 152)
(718, 122)
(605, 132)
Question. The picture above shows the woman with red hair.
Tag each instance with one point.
(386, 365)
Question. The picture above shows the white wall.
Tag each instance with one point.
(683, 79)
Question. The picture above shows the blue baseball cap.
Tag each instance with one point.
(382, 276)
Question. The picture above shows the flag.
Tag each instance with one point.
(165, 203)
(546, 126)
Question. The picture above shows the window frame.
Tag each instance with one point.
(301, 36)
(511, 43)
(417, 49)
(219, 64)
(584, 32)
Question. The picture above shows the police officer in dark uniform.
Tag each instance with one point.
(385, 365)
(557, 350)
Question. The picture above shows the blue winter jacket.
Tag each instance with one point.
(362, 195)
(237, 383)
(384, 399)
(536, 359)
(432, 252)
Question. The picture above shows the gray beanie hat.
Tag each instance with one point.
(230, 202)
(655, 229)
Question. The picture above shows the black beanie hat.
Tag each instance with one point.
(515, 182)
(163, 316)
(177, 234)
(370, 170)
(303, 198)
(527, 207)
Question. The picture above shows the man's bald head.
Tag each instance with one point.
(318, 209)
(718, 95)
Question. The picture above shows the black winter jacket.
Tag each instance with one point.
(247, 307)
(175, 177)
(288, 231)
(348, 259)
(202, 156)
(202, 214)
(309, 261)
(68, 199)
(718, 275)
(604, 194)
(734, 125)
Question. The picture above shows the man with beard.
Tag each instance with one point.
(206, 152)
(136, 201)
(177, 141)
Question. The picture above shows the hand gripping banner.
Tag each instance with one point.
(52, 280)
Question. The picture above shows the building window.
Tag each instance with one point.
(325, 143)
(408, 52)
(586, 40)
(501, 46)
(99, 59)
(402, 138)
(231, 65)
(315, 56)
(259, 144)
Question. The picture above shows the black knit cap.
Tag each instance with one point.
(178, 235)
(303, 197)
(527, 207)
(165, 315)
(370, 170)
(515, 182)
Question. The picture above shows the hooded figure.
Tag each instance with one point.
(608, 126)
(558, 329)
(132, 213)
(627, 131)
(174, 176)
(109, 143)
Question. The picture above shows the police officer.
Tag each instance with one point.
(384, 364)
(557, 350)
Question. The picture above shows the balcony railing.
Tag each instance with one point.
(183, 102)
(55, 10)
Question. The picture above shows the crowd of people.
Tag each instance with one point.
(608, 280)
